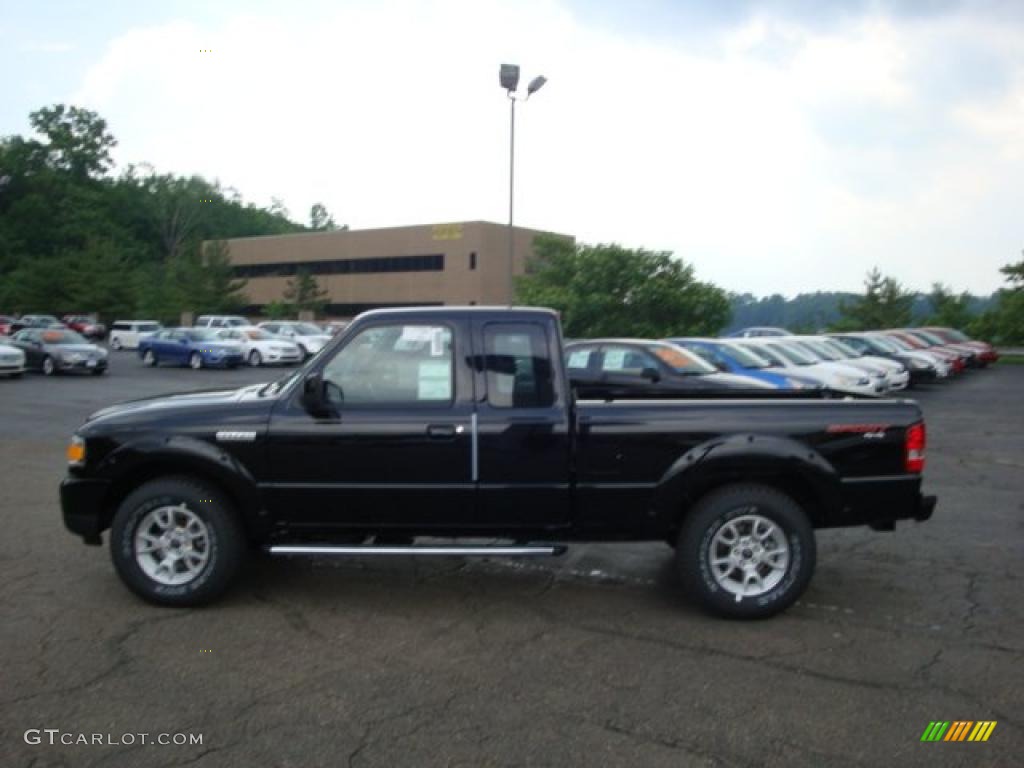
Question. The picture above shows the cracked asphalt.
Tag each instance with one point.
(590, 659)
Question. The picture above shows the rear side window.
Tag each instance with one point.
(518, 366)
(626, 360)
(579, 359)
(120, 326)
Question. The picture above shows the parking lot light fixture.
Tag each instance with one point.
(508, 76)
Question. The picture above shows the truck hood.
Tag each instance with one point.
(161, 406)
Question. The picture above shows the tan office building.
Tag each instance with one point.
(460, 263)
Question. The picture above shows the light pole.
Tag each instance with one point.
(508, 76)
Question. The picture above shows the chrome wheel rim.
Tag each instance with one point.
(254, 358)
(749, 555)
(47, 366)
(149, 358)
(196, 361)
(172, 545)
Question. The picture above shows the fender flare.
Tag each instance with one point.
(746, 458)
(189, 454)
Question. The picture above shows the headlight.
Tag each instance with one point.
(76, 452)
(74, 357)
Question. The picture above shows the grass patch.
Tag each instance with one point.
(1011, 360)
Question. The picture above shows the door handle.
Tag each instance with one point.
(443, 431)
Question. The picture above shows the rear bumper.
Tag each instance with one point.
(81, 503)
(881, 501)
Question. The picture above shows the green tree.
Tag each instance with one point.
(303, 293)
(320, 220)
(885, 304)
(605, 290)
(948, 308)
(277, 310)
(1004, 323)
(77, 140)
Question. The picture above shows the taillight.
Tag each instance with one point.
(913, 448)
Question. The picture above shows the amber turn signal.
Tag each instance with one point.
(76, 451)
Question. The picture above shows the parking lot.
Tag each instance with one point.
(590, 659)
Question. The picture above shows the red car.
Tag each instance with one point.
(5, 325)
(86, 325)
(985, 351)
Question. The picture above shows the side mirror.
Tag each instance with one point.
(316, 398)
(651, 374)
(722, 367)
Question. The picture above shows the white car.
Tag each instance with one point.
(835, 376)
(898, 373)
(126, 334)
(261, 347)
(307, 336)
(12, 360)
(825, 352)
(222, 321)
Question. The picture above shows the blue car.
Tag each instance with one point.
(194, 347)
(733, 358)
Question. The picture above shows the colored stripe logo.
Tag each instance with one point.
(958, 730)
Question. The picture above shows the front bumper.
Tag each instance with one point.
(99, 364)
(81, 503)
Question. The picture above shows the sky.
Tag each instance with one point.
(779, 147)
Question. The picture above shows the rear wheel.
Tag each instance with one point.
(149, 358)
(115, 344)
(195, 361)
(176, 541)
(746, 551)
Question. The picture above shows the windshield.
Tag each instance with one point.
(62, 337)
(258, 334)
(817, 350)
(955, 334)
(790, 355)
(877, 342)
(843, 349)
(681, 360)
(929, 337)
(746, 357)
(306, 329)
(202, 334)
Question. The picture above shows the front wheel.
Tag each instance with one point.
(49, 368)
(746, 551)
(149, 358)
(255, 359)
(115, 344)
(195, 361)
(176, 541)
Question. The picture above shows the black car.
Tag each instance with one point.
(56, 350)
(458, 423)
(920, 370)
(622, 367)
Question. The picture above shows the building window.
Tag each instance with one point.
(433, 262)
(472, 259)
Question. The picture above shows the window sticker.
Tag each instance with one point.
(580, 358)
(434, 381)
(614, 359)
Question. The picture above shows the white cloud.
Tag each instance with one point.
(779, 160)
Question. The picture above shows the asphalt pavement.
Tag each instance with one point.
(590, 659)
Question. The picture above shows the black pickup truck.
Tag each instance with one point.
(458, 424)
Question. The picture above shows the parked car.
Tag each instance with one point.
(35, 321)
(619, 367)
(729, 357)
(126, 334)
(194, 347)
(944, 363)
(968, 353)
(835, 376)
(985, 352)
(823, 351)
(757, 331)
(957, 360)
(334, 327)
(261, 347)
(12, 359)
(919, 367)
(60, 350)
(310, 338)
(5, 325)
(222, 321)
(87, 325)
(461, 421)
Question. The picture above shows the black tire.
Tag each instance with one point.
(115, 344)
(225, 549)
(697, 543)
(99, 371)
(48, 367)
(149, 358)
(195, 361)
(255, 358)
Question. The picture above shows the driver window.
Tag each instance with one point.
(395, 365)
(625, 360)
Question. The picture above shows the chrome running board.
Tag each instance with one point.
(551, 550)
